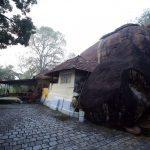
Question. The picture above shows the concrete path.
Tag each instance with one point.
(33, 126)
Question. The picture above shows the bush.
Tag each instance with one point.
(75, 104)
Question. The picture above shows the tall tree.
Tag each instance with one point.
(26, 67)
(15, 28)
(71, 55)
(47, 50)
(7, 73)
(144, 19)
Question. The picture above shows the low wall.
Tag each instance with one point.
(61, 105)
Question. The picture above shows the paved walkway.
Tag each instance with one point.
(33, 126)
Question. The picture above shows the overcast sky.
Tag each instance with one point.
(82, 22)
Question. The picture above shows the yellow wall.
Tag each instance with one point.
(45, 92)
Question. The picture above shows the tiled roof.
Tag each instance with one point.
(78, 63)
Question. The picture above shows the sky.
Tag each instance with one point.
(82, 22)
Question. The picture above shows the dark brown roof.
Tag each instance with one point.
(78, 63)
(91, 53)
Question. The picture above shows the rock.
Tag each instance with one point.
(118, 91)
(133, 130)
(144, 123)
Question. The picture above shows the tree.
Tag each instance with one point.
(26, 68)
(144, 19)
(7, 73)
(71, 55)
(47, 50)
(17, 28)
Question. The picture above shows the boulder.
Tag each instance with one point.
(117, 92)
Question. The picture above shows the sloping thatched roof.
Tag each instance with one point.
(78, 63)
(117, 92)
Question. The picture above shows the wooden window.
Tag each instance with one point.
(65, 78)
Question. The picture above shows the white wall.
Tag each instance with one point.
(60, 95)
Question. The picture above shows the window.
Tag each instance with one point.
(65, 78)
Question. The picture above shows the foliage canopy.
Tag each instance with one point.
(15, 28)
(7, 73)
(144, 19)
(47, 51)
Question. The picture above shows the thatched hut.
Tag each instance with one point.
(117, 93)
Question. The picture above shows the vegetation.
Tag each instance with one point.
(75, 104)
(15, 28)
(47, 51)
(7, 73)
(144, 19)
(71, 55)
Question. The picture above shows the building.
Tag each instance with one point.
(28, 90)
(71, 77)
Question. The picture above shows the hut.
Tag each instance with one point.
(117, 92)
(28, 90)
(71, 76)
